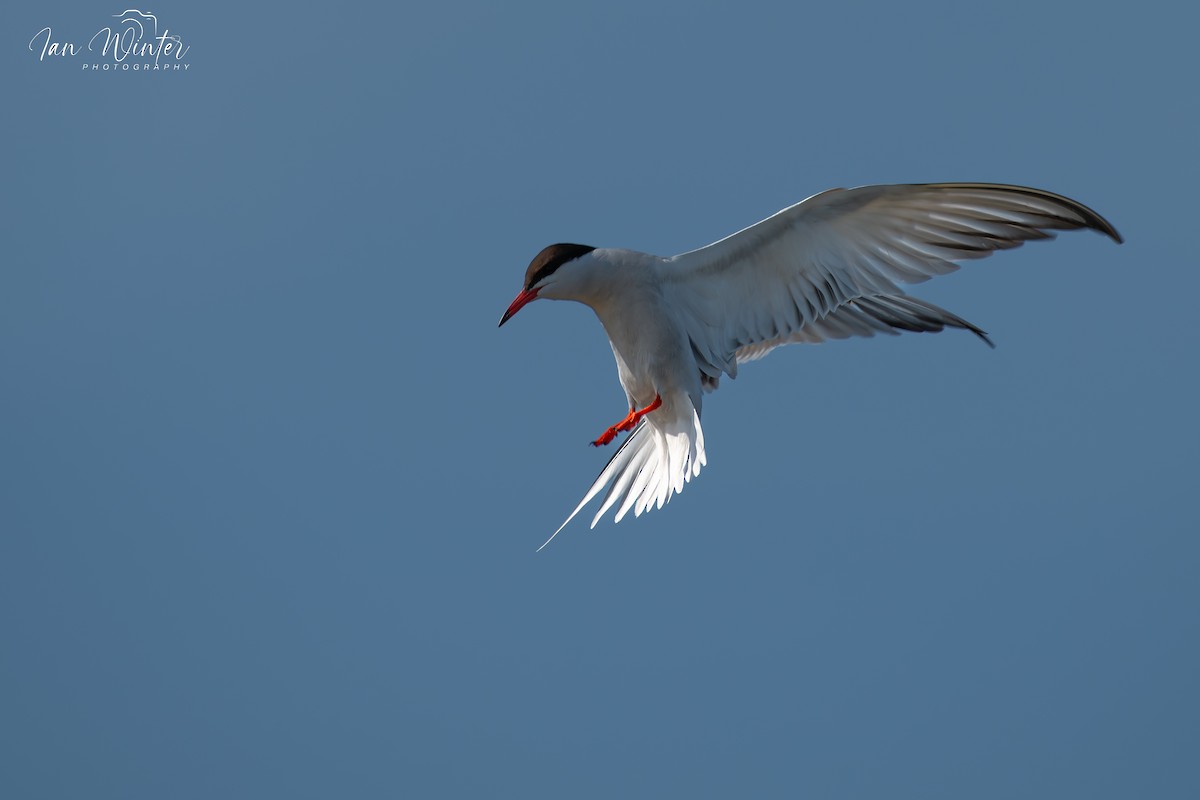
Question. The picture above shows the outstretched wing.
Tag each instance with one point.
(830, 266)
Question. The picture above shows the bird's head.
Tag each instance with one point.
(557, 273)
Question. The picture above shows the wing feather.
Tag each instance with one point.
(829, 267)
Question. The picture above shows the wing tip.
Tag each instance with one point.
(1090, 218)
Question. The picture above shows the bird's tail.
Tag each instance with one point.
(662, 454)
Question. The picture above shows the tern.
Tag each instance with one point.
(828, 267)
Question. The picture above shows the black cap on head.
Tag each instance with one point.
(551, 258)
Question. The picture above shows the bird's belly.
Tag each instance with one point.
(653, 359)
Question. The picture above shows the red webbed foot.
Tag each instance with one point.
(628, 423)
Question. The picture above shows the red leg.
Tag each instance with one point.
(627, 424)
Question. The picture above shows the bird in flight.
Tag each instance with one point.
(829, 267)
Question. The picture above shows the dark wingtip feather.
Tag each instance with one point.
(1097, 222)
(1090, 218)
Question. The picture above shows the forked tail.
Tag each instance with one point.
(662, 453)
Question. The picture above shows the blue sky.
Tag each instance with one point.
(271, 481)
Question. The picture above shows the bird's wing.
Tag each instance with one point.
(663, 452)
(829, 266)
(866, 316)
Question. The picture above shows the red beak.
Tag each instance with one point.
(523, 298)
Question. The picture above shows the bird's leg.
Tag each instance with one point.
(612, 432)
(627, 424)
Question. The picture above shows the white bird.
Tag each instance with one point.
(828, 267)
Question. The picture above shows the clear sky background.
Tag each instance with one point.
(271, 481)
